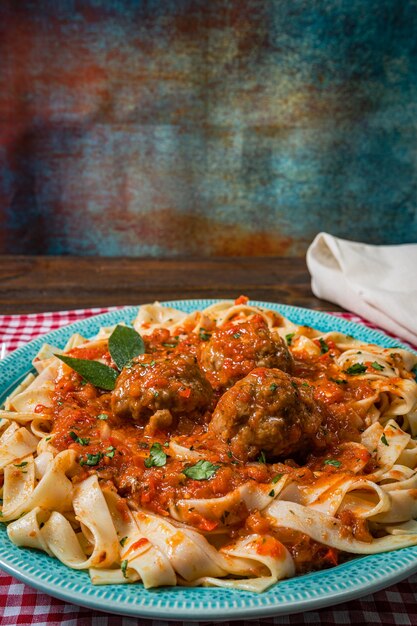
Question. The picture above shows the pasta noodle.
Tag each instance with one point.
(228, 447)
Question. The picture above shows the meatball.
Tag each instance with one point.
(161, 382)
(236, 349)
(268, 411)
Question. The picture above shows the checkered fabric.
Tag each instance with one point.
(20, 604)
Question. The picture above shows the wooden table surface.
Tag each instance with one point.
(31, 284)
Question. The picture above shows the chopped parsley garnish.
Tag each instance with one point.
(157, 457)
(288, 338)
(377, 366)
(271, 493)
(110, 452)
(332, 462)
(384, 440)
(102, 416)
(339, 381)
(202, 470)
(355, 369)
(237, 335)
(323, 346)
(92, 459)
(22, 464)
(123, 567)
(123, 541)
(204, 335)
(230, 455)
(47, 438)
(273, 387)
(262, 457)
(277, 478)
(83, 441)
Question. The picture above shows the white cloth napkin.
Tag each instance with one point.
(378, 283)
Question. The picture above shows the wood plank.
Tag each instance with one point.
(31, 284)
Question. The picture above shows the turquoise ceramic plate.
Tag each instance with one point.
(345, 582)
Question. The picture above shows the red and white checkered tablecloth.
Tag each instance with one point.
(20, 604)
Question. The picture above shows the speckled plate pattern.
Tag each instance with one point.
(356, 578)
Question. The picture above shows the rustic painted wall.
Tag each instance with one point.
(206, 126)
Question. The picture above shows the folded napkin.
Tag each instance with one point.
(377, 282)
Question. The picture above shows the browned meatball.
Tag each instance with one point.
(236, 349)
(157, 382)
(268, 410)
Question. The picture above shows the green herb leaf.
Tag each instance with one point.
(123, 567)
(288, 338)
(262, 457)
(323, 346)
(204, 336)
(271, 493)
(102, 416)
(110, 452)
(83, 441)
(273, 387)
(92, 459)
(124, 345)
(157, 457)
(237, 335)
(339, 381)
(384, 440)
(355, 369)
(201, 470)
(96, 373)
(277, 478)
(332, 462)
(377, 366)
(22, 464)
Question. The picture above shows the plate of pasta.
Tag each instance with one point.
(209, 460)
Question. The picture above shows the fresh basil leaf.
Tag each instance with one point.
(355, 369)
(96, 373)
(384, 440)
(202, 470)
(124, 345)
(157, 457)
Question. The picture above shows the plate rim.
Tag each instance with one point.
(218, 613)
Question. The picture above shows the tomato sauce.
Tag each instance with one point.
(119, 449)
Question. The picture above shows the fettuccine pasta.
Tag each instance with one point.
(228, 447)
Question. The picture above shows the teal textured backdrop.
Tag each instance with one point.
(206, 127)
